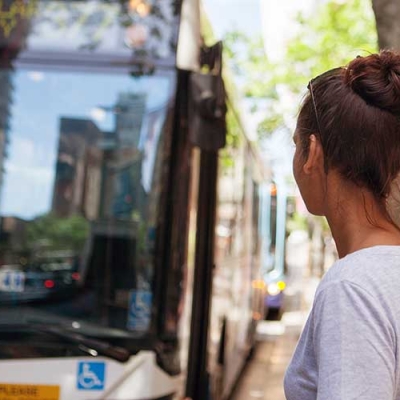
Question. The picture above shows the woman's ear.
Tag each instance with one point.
(315, 158)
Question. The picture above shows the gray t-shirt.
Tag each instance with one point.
(349, 346)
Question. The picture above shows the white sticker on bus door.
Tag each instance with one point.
(12, 281)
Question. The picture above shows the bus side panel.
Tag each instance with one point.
(237, 301)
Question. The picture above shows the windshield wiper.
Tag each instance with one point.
(91, 346)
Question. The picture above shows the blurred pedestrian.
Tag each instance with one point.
(347, 167)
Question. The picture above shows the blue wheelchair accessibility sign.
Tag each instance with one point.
(91, 375)
(139, 313)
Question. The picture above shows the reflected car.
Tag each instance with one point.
(41, 280)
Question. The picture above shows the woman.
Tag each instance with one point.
(346, 163)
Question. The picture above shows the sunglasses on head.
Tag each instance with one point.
(326, 74)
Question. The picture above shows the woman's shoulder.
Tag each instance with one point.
(375, 269)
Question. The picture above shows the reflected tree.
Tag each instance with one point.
(147, 27)
(50, 232)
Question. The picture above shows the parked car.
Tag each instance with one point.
(54, 276)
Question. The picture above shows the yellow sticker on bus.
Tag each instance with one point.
(10, 391)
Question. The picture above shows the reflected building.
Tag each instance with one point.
(15, 25)
(130, 111)
(6, 88)
(11, 229)
(97, 171)
(13, 236)
(152, 159)
(122, 194)
(77, 186)
(108, 174)
(14, 30)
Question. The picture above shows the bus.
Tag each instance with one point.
(239, 289)
(130, 245)
(274, 221)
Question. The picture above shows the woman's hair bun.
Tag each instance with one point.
(376, 78)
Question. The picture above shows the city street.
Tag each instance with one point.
(263, 375)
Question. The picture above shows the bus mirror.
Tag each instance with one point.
(208, 108)
(208, 102)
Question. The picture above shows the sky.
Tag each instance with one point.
(241, 14)
(270, 18)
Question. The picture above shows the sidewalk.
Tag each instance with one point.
(263, 376)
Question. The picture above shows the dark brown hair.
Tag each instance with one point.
(358, 109)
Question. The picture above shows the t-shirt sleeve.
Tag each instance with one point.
(354, 344)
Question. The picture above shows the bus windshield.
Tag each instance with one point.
(82, 159)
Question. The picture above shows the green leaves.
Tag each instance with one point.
(333, 35)
(336, 34)
(58, 233)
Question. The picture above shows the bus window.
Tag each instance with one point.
(82, 159)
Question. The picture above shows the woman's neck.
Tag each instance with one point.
(358, 220)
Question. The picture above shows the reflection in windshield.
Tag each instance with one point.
(142, 27)
(80, 188)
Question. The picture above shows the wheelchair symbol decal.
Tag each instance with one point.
(91, 375)
(139, 313)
